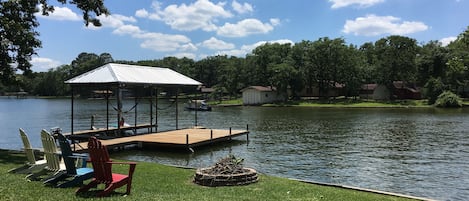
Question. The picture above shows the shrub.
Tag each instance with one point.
(448, 99)
(434, 87)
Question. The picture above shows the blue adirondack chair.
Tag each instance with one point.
(72, 176)
(32, 164)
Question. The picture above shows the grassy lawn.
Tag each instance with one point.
(354, 103)
(158, 182)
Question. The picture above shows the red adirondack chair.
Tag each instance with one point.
(102, 166)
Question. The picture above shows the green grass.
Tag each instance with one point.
(238, 101)
(158, 182)
(354, 103)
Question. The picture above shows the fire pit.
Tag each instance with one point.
(226, 172)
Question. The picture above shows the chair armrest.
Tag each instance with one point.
(131, 168)
(84, 158)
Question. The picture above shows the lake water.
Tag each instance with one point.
(421, 152)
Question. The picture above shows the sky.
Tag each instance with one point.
(152, 29)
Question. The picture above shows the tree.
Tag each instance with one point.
(330, 62)
(18, 35)
(301, 62)
(431, 61)
(455, 74)
(396, 57)
(230, 76)
(266, 56)
(51, 83)
(434, 87)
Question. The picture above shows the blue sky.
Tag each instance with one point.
(150, 29)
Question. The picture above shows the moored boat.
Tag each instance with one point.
(199, 105)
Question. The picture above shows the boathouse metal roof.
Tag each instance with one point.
(113, 73)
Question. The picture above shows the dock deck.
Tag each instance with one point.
(183, 139)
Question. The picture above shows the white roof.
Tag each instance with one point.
(113, 73)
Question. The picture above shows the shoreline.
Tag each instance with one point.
(294, 179)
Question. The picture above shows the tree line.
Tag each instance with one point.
(293, 67)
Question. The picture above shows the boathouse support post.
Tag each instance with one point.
(107, 110)
(119, 108)
(135, 116)
(151, 110)
(196, 108)
(71, 126)
(177, 110)
(71, 118)
(156, 110)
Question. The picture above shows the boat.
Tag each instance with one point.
(199, 105)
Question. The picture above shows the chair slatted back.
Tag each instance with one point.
(66, 155)
(27, 147)
(50, 151)
(99, 159)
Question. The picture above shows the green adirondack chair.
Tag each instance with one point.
(54, 165)
(32, 164)
(72, 176)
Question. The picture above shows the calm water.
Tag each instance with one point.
(421, 152)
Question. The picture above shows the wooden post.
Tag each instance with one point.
(92, 122)
(230, 133)
(177, 110)
(107, 110)
(247, 134)
(211, 134)
(156, 110)
(187, 140)
(71, 126)
(151, 110)
(136, 113)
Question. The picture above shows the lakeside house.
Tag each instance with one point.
(257, 95)
(400, 90)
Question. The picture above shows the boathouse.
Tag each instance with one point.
(257, 95)
(114, 79)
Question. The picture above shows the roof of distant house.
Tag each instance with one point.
(260, 88)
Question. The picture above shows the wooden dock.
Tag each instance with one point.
(180, 139)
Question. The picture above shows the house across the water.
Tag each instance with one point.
(257, 95)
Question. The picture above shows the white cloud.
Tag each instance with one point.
(41, 64)
(60, 14)
(150, 40)
(201, 14)
(188, 47)
(446, 41)
(142, 13)
(113, 21)
(373, 25)
(164, 42)
(184, 54)
(242, 8)
(216, 44)
(246, 49)
(246, 27)
(127, 29)
(361, 3)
